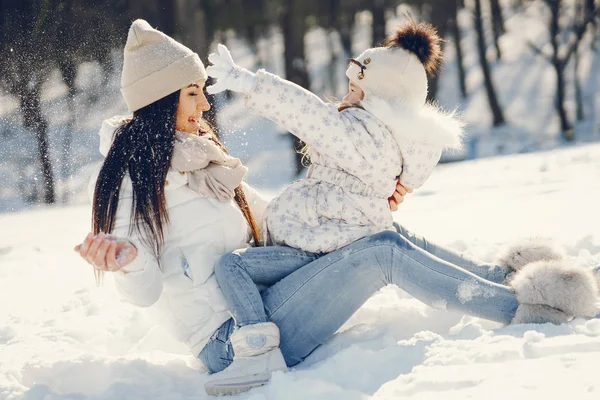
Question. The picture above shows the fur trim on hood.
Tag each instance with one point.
(107, 132)
(427, 124)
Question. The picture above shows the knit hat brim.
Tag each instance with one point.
(161, 83)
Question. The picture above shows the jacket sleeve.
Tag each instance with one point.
(418, 163)
(318, 124)
(139, 282)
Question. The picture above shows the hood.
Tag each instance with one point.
(426, 124)
(107, 132)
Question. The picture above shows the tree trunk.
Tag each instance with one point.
(498, 117)
(578, 91)
(440, 19)
(456, 34)
(333, 11)
(591, 13)
(583, 19)
(378, 24)
(565, 126)
(293, 25)
(346, 22)
(167, 21)
(559, 68)
(32, 116)
(497, 25)
(204, 21)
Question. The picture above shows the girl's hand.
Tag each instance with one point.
(229, 75)
(398, 196)
(105, 252)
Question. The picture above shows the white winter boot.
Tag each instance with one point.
(256, 356)
(552, 291)
(528, 250)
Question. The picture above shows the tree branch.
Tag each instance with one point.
(539, 51)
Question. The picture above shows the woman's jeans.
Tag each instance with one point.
(310, 296)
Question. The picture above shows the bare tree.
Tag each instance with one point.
(457, 36)
(23, 70)
(36, 38)
(559, 58)
(498, 117)
(497, 25)
(333, 28)
(293, 24)
(591, 10)
(378, 24)
(439, 13)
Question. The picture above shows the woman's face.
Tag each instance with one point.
(354, 96)
(192, 102)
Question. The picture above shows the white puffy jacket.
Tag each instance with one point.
(357, 157)
(184, 296)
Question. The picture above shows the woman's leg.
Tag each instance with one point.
(312, 303)
(239, 272)
(491, 272)
(217, 354)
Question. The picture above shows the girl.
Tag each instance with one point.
(383, 131)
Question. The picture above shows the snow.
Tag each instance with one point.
(61, 337)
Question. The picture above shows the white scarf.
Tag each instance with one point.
(211, 172)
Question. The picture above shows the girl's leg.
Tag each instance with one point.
(491, 272)
(239, 272)
(254, 343)
(312, 303)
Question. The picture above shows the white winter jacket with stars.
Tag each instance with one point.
(357, 157)
(184, 297)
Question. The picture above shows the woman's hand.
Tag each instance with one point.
(398, 196)
(105, 252)
(229, 75)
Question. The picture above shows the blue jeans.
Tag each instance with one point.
(311, 303)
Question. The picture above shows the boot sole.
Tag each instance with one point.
(230, 388)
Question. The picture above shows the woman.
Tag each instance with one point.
(166, 239)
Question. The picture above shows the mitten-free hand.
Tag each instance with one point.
(229, 75)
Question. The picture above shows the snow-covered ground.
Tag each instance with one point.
(63, 338)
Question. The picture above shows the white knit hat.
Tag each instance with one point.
(155, 65)
(397, 71)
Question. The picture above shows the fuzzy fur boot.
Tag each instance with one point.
(552, 291)
(528, 250)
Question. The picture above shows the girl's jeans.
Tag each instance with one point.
(311, 303)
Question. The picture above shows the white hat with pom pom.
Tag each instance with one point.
(397, 71)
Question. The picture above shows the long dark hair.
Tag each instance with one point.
(142, 147)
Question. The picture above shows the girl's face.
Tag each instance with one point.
(354, 96)
(192, 102)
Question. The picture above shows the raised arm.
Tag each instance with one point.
(301, 112)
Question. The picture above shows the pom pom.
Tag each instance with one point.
(420, 39)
